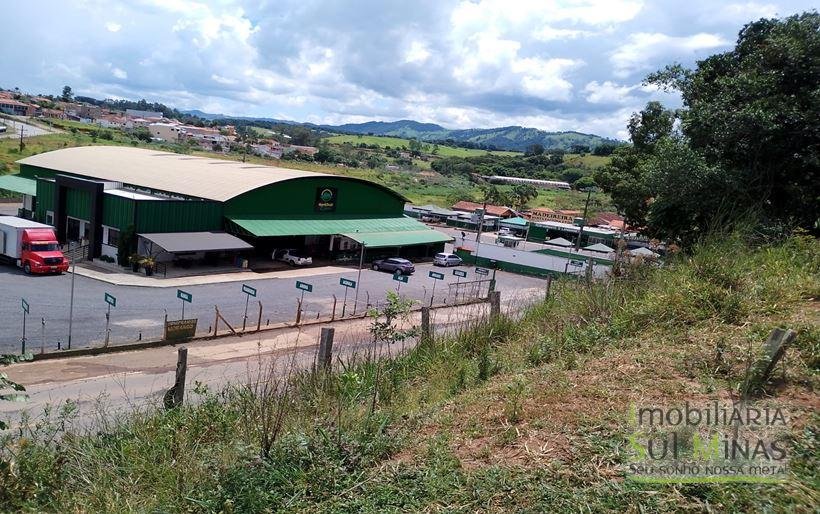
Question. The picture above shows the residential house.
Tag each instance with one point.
(306, 150)
(165, 131)
(500, 211)
(135, 113)
(16, 107)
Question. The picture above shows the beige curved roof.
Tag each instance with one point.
(201, 177)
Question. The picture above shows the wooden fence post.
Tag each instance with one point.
(426, 334)
(495, 304)
(175, 396)
(549, 285)
(326, 347)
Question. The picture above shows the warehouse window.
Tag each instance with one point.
(113, 237)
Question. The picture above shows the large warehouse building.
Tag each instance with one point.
(96, 193)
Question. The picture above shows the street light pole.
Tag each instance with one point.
(358, 280)
(583, 220)
(71, 304)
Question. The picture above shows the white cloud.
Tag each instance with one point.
(739, 12)
(608, 93)
(113, 26)
(644, 48)
(548, 33)
(119, 73)
(418, 53)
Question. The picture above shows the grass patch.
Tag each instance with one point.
(525, 414)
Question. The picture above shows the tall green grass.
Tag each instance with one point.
(334, 438)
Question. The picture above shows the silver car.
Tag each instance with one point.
(446, 259)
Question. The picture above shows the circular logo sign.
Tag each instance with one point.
(326, 195)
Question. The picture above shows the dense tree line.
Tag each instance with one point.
(745, 146)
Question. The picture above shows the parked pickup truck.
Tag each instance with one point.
(292, 257)
(30, 245)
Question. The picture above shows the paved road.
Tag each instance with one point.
(17, 122)
(119, 382)
(140, 311)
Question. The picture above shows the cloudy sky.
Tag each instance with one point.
(555, 65)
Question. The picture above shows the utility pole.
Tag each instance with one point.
(358, 279)
(583, 220)
(71, 304)
(21, 137)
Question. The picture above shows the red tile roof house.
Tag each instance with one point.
(493, 210)
(11, 106)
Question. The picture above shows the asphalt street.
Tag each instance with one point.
(13, 128)
(140, 311)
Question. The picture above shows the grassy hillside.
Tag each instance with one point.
(395, 142)
(529, 415)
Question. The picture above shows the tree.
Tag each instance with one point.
(647, 127)
(584, 183)
(535, 149)
(754, 111)
(624, 178)
(67, 95)
(490, 194)
(521, 194)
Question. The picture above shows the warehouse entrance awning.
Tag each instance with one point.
(17, 184)
(181, 242)
(370, 231)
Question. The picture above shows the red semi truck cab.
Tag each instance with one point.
(40, 252)
(30, 245)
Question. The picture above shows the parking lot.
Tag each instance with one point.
(140, 311)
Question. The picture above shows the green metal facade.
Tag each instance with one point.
(178, 216)
(298, 197)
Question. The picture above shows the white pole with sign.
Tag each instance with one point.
(249, 291)
(347, 283)
(111, 300)
(185, 297)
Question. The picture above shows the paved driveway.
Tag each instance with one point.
(140, 311)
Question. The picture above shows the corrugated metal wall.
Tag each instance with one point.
(45, 199)
(178, 216)
(118, 212)
(78, 204)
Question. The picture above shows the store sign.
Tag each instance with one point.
(180, 329)
(325, 199)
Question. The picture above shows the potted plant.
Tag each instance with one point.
(135, 260)
(148, 264)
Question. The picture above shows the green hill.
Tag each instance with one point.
(511, 138)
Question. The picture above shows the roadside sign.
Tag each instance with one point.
(304, 286)
(184, 296)
(24, 305)
(248, 290)
(110, 300)
(436, 275)
(347, 282)
(482, 271)
(401, 278)
(460, 273)
(573, 262)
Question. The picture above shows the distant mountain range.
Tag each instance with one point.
(502, 138)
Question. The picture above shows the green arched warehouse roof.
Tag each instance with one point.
(200, 177)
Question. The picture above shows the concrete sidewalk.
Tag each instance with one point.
(138, 280)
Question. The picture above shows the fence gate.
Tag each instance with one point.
(469, 291)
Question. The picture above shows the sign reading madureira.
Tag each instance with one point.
(325, 199)
(180, 329)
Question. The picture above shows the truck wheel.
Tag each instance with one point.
(27, 268)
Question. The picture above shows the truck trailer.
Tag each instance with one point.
(30, 245)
